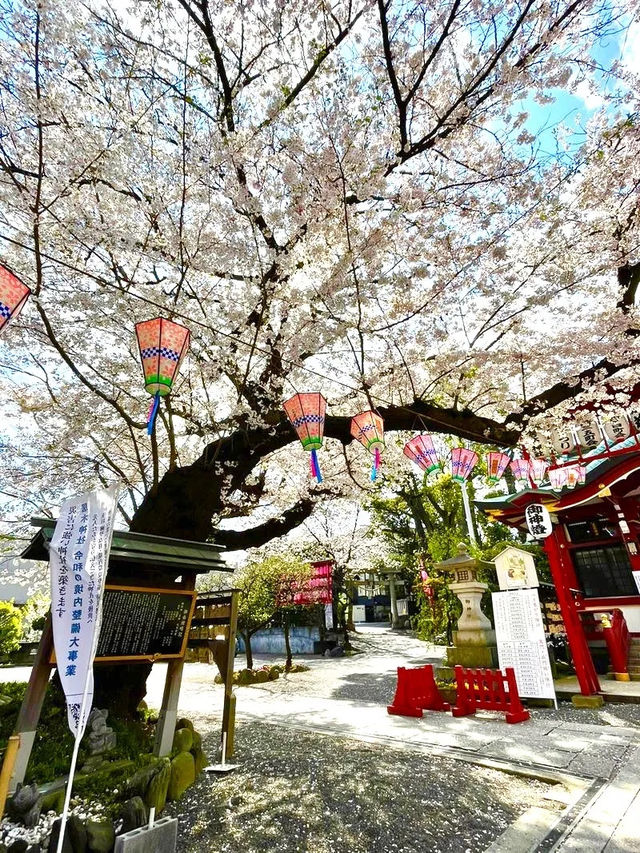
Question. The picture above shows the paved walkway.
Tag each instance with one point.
(598, 764)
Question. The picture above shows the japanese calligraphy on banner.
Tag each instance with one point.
(78, 560)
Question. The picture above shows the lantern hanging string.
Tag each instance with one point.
(153, 411)
(315, 466)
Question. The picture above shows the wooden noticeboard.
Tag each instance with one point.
(144, 623)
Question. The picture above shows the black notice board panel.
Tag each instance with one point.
(139, 623)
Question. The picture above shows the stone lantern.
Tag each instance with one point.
(474, 643)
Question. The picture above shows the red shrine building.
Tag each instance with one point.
(594, 556)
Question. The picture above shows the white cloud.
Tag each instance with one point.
(630, 48)
(586, 92)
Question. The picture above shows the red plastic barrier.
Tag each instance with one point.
(485, 689)
(416, 691)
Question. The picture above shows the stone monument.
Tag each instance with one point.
(474, 643)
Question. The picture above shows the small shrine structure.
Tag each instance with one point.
(594, 556)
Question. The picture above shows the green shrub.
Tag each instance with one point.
(10, 627)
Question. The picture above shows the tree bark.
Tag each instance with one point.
(287, 641)
(247, 648)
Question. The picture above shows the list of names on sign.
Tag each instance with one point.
(143, 623)
(521, 641)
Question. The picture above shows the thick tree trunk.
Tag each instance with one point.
(287, 643)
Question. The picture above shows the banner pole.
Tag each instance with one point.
(74, 759)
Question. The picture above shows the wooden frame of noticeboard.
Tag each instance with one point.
(149, 656)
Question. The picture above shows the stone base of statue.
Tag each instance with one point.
(475, 640)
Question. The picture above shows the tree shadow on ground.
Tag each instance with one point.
(366, 687)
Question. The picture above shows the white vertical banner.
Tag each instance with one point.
(78, 560)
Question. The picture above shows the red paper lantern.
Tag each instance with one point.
(13, 295)
(368, 428)
(306, 413)
(422, 451)
(497, 464)
(462, 463)
(163, 344)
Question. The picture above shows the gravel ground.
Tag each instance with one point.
(305, 792)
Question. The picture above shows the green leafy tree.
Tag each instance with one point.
(10, 627)
(266, 586)
(423, 524)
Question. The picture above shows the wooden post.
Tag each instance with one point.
(229, 706)
(166, 727)
(29, 713)
(558, 556)
(7, 769)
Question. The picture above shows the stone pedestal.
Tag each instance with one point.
(475, 640)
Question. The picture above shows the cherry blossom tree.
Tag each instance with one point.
(339, 196)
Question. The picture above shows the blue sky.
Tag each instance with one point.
(572, 111)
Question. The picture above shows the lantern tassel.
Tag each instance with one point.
(315, 466)
(153, 411)
(376, 465)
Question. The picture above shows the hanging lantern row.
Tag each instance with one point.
(306, 414)
(421, 450)
(13, 295)
(592, 431)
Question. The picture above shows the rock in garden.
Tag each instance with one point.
(18, 846)
(183, 774)
(182, 740)
(139, 782)
(183, 723)
(156, 793)
(200, 759)
(262, 676)
(197, 741)
(337, 652)
(25, 805)
(133, 814)
(100, 836)
(55, 834)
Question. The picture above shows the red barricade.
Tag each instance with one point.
(485, 689)
(416, 691)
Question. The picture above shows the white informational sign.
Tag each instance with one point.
(328, 616)
(521, 641)
(516, 569)
(636, 577)
(78, 560)
(538, 521)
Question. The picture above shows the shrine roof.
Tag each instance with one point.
(600, 474)
(140, 548)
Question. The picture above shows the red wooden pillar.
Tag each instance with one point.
(561, 572)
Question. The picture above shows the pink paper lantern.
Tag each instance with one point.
(497, 464)
(368, 428)
(163, 344)
(520, 468)
(422, 451)
(538, 470)
(462, 463)
(558, 478)
(13, 295)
